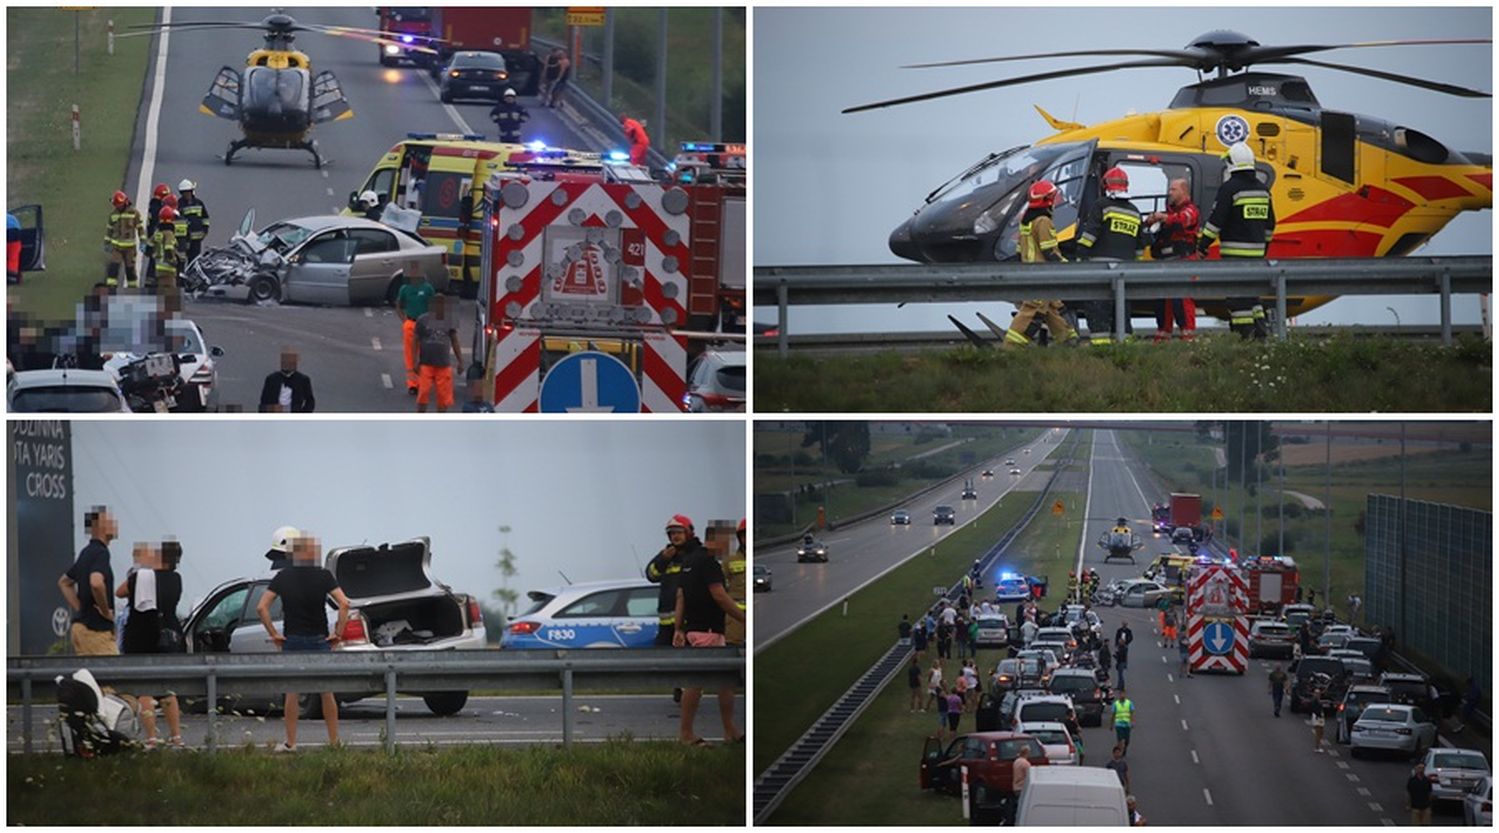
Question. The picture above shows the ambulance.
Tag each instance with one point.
(441, 177)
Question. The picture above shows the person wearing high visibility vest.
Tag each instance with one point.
(1242, 223)
(735, 569)
(194, 214)
(1071, 585)
(1124, 717)
(164, 248)
(1038, 244)
(665, 569)
(122, 236)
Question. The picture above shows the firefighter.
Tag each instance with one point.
(665, 569)
(1242, 223)
(639, 141)
(164, 247)
(1071, 584)
(1176, 238)
(1038, 244)
(735, 567)
(508, 115)
(121, 237)
(1113, 231)
(161, 191)
(194, 215)
(369, 204)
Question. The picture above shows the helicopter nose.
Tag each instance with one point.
(902, 245)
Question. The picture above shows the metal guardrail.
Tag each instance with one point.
(835, 343)
(600, 116)
(375, 672)
(1122, 281)
(798, 761)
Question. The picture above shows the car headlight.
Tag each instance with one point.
(392, 49)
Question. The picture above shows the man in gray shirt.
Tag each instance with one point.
(437, 340)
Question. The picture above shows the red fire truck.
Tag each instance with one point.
(502, 29)
(1272, 582)
(714, 175)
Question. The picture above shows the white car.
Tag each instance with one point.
(1039, 707)
(197, 369)
(1055, 739)
(1393, 726)
(1063, 636)
(1478, 803)
(1453, 772)
(64, 391)
(1047, 656)
(994, 630)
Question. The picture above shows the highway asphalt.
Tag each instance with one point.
(350, 354)
(492, 720)
(861, 552)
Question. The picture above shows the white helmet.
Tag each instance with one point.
(282, 539)
(369, 199)
(187, 185)
(1239, 157)
(509, 93)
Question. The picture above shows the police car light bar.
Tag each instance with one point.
(619, 156)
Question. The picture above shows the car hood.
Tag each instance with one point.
(385, 573)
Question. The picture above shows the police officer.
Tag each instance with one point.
(195, 215)
(161, 191)
(164, 247)
(1038, 244)
(665, 569)
(121, 237)
(508, 115)
(1113, 230)
(1242, 223)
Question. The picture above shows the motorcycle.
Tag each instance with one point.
(152, 383)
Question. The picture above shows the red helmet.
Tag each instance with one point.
(1043, 194)
(169, 199)
(161, 190)
(119, 199)
(1115, 181)
(679, 522)
(741, 524)
(167, 214)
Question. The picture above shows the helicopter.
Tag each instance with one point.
(276, 99)
(1343, 184)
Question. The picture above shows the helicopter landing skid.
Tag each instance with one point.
(240, 144)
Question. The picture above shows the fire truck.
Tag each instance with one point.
(1272, 582)
(585, 261)
(506, 30)
(1217, 605)
(714, 176)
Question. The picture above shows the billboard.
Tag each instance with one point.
(40, 546)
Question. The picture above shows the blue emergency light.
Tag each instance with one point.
(537, 145)
(619, 156)
(407, 39)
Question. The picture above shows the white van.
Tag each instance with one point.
(1072, 796)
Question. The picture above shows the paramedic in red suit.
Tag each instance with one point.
(1176, 238)
(639, 141)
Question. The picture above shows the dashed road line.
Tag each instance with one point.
(325, 174)
(330, 192)
(1342, 764)
(1177, 698)
(1207, 795)
(1334, 753)
(386, 381)
(1363, 791)
(1184, 726)
(1387, 822)
(1375, 806)
(369, 312)
(1169, 678)
(1194, 757)
(375, 342)
(1163, 660)
(1351, 776)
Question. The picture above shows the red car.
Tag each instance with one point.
(990, 760)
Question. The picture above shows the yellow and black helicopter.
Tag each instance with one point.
(276, 99)
(1343, 185)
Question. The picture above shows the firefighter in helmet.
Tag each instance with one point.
(164, 247)
(160, 192)
(665, 569)
(121, 237)
(1113, 231)
(1038, 244)
(194, 214)
(1242, 223)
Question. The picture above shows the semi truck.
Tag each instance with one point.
(1186, 518)
(449, 29)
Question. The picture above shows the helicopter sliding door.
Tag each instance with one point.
(223, 95)
(328, 102)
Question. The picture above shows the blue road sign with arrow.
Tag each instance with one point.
(590, 382)
(1218, 637)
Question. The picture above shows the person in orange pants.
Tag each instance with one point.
(411, 303)
(437, 340)
(639, 141)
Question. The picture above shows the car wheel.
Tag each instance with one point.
(444, 703)
(265, 288)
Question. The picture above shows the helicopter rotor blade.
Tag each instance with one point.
(1264, 54)
(1188, 57)
(328, 28)
(209, 27)
(1435, 86)
(1010, 82)
(184, 24)
(390, 40)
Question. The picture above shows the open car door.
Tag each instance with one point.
(931, 755)
(223, 96)
(33, 240)
(328, 102)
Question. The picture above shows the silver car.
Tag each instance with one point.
(1453, 772)
(1395, 727)
(64, 391)
(1141, 593)
(716, 382)
(329, 259)
(1478, 803)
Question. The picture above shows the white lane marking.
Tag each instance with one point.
(1128, 471)
(1163, 660)
(375, 342)
(1387, 822)
(1445, 742)
(1207, 795)
(153, 115)
(1375, 806)
(837, 540)
(452, 111)
(1342, 764)
(386, 381)
(1363, 791)
(1170, 679)
(369, 312)
(1176, 697)
(1351, 776)
(1082, 538)
(330, 192)
(325, 176)
(1333, 753)
(1184, 726)
(1194, 757)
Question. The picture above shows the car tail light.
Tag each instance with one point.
(354, 630)
(1487, 807)
(1340, 707)
(1432, 778)
(524, 628)
(718, 401)
(475, 615)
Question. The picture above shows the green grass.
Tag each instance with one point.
(1446, 477)
(1213, 374)
(869, 777)
(41, 165)
(614, 783)
(688, 68)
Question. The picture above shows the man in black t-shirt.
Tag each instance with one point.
(702, 605)
(303, 589)
(87, 586)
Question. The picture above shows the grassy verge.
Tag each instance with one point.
(73, 187)
(689, 71)
(869, 777)
(1462, 478)
(616, 783)
(1209, 375)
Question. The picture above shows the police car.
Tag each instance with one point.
(599, 614)
(1012, 588)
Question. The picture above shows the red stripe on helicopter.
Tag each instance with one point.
(1486, 180)
(1325, 243)
(1379, 208)
(1433, 187)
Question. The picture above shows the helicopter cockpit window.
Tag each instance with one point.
(263, 84)
(1068, 175)
(985, 173)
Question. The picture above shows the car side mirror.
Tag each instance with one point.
(216, 352)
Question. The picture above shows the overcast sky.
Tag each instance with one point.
(829, 188)
(577, 495)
